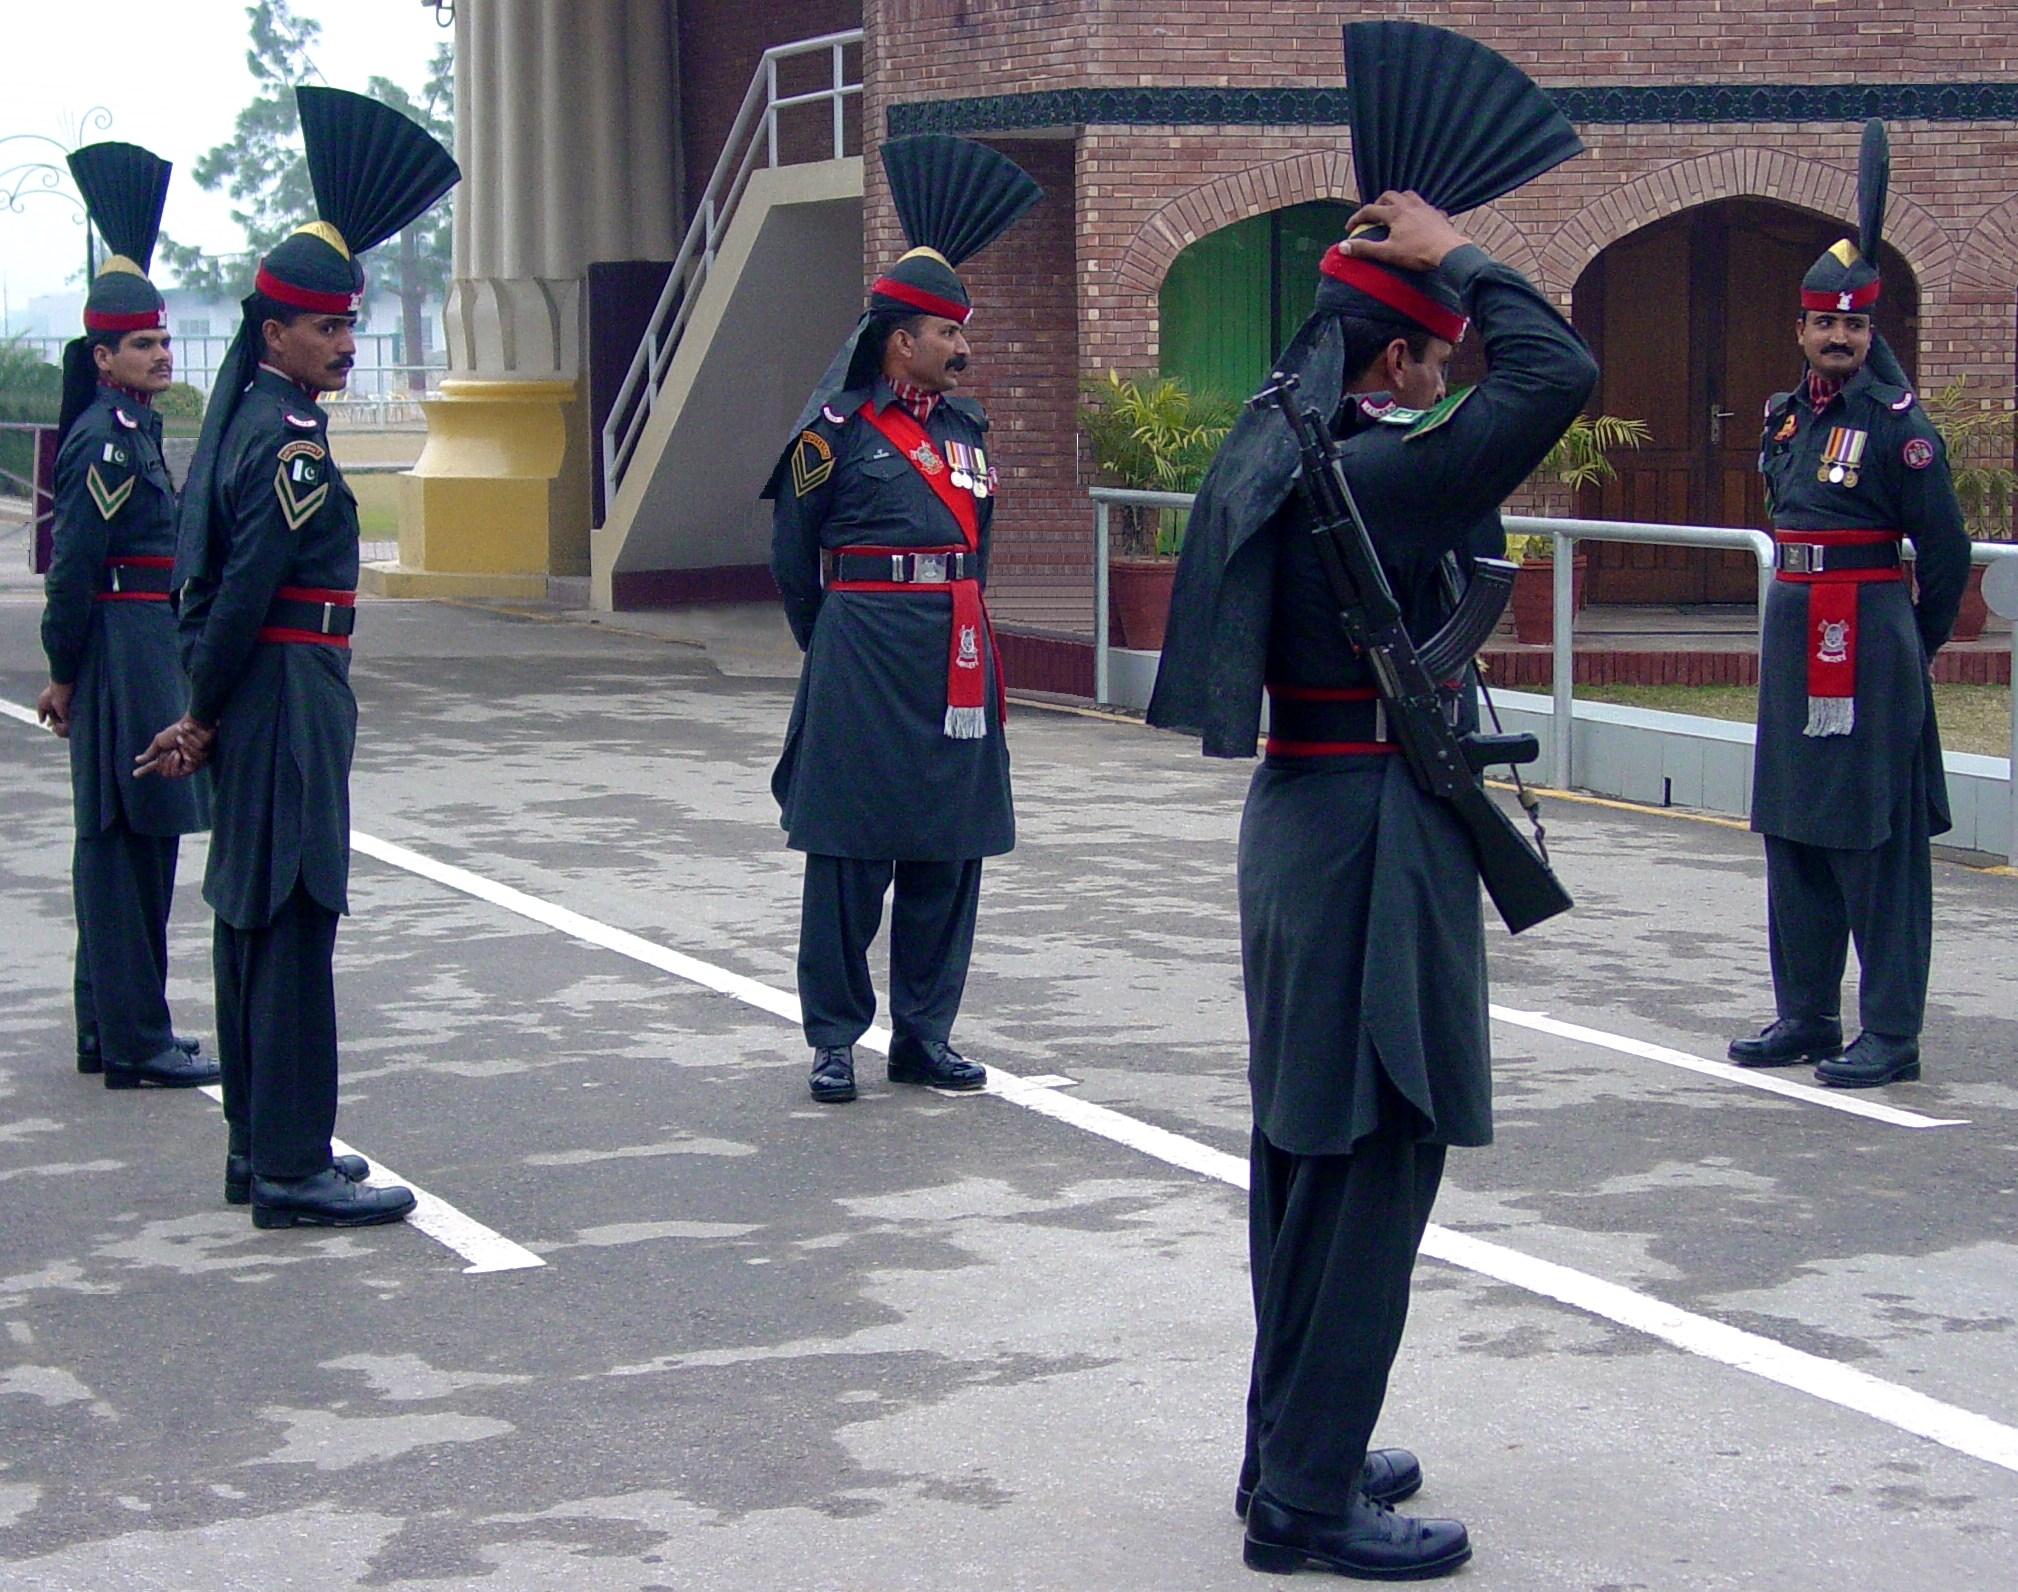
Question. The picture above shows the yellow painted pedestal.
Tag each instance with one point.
(499, 498)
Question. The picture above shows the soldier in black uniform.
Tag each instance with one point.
(110, 638)
(266, 577)
(1361, 933)
(1847, 777)
(894, 765)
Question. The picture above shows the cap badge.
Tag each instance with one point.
(1842, 301)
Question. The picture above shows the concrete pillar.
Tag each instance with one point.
(567, 131)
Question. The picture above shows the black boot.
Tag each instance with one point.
(833, 1080)
(1790, 1041)
(1370, 1541)
(174, 1068)
(327, 1199)
(238, 1175)
(1389, 1476)
(1872, 1060)
(91, 1060)
(934, 1062)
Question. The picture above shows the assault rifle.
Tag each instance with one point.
(1443, 762)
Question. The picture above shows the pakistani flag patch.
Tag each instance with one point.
(301, 482)
(109, 497)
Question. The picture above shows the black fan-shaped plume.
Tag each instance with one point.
(954, 195)
(124, 189)
(373, 169)
(1874, 175)
(1441, 114)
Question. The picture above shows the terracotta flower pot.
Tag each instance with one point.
(1139, 600)
(1534, 598)
(1974, 610)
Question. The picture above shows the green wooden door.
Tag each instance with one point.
(1237, 295)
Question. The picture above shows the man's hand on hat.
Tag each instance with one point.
(1418, 234)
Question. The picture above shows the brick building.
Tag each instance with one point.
(1189, 155)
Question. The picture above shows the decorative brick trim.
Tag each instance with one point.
(1987, 270)
(1742, 172)
(1616, 104)
(1205, 209)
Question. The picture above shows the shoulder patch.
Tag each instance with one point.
(812, 462)
(302, 448)
(305, 422)
(302, 486)
(1394, 415)
(832, 416)
(1787, 426)
(1918, 453)
(1904, 400)
(1439, 414)
(125, 419)
(109, 498)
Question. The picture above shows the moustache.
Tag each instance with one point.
(342, 362)
(957, 362)
(1839, 348)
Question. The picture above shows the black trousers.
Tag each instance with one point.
(1331, 1246)
(124, 884)
(1818, 897)
(276, 1037)
(931, 942)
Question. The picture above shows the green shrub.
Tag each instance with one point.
(30, 389)
(1152, 434)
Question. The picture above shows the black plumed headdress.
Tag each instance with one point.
(124, 188)
(954, 197)
(1440, 115)
(1845, 278)
(373, 171)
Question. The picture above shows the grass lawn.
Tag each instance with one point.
(377, 506)
(1974, 718)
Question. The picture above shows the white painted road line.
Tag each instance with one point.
(441, 1221)
(1835, 1099)
(1949, 1425)
(25, 715)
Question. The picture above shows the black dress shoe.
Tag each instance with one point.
(1789, 1042)
(1370, 1541)
(833, 1079)
(327, 1199)
(91, 1060)
(1389, 1476)
(934, 1062)
(174, 1068)
(1872, 1060)
(238, 1175)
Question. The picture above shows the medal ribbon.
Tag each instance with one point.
(965, 676)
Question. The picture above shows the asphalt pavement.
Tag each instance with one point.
(671, 1326)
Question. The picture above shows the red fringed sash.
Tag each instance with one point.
(1831, 641)
(965, 718)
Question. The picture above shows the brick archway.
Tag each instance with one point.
(1741, 173)
(1296, 180)
(1988, 267)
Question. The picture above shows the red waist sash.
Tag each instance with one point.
(966, 719)
(1830, 643)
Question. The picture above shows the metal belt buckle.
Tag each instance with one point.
(1801, 558)
(116, 573)
(328, 618)
(929, 567)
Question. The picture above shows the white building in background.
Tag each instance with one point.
(202, 328)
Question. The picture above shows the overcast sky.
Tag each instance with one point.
(172, 74)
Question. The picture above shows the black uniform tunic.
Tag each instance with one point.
(1846, 818)
(288, 721)
(115, 501)
(868, 770)
(281, 517)
(1362, 936)
(1846, 791)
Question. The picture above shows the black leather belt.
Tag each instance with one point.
(1819, 558)
(128, 580)
(1325, 722)
(900, 569)
(322, 618)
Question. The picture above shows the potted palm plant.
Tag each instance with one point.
(1149, 433)
(1979, 443)
(1578, 459)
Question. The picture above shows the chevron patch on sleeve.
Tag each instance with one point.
(812, 462)
(301, 483)
(110, 498)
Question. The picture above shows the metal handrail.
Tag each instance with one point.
(755, 129)
(1565, 535)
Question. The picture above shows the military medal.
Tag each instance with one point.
(984, 478)
(956, 455)
(1842, 455)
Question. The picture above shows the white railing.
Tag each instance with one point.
(376, 375)
(755, 133)
(1565, 534)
